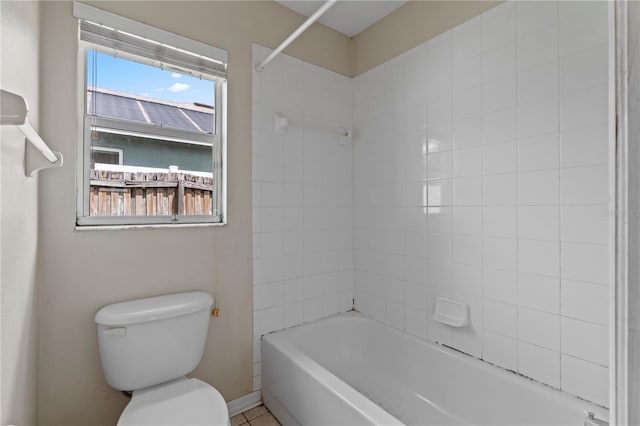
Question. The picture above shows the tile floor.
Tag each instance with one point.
(258, 416)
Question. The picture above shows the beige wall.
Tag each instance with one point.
(84, 270)
(408, 26)
(19, 34)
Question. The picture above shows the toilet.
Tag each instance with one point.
(147, 346)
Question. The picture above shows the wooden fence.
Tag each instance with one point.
(149, 194)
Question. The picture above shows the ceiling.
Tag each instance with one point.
(347, 16)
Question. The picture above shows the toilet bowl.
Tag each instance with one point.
(147, 346)
(179, 402)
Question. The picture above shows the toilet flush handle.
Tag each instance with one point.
(116, 331)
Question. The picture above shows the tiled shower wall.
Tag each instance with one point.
(480, 174)
(302, 196)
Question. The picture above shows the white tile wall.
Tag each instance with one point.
(302, 198)
(480, 173)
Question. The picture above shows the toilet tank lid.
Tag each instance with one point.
(153, 308)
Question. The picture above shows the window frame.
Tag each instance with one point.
(217, 141)
(108, 149)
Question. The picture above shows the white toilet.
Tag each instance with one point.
(147, 346)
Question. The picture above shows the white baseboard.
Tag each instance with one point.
(244, 403)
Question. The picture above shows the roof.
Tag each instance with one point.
(125, 106)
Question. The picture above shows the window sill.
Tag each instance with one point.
(83, 228)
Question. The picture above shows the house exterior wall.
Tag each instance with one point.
(144, 152)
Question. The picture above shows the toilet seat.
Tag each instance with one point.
(179, 402)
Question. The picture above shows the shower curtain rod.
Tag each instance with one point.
(313, 18)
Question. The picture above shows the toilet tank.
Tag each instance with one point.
(145, 342)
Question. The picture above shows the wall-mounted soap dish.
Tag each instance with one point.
(451, 312)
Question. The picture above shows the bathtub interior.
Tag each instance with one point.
(419, 382)
(299, 391)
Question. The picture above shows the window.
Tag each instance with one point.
(151, 126)
(104, 155)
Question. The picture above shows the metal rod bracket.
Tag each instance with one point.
(306, 24)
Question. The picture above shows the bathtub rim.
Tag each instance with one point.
(278, 339)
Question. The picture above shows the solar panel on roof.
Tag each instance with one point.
(112, 106)
(202, 119)
(166, 115)
(125, 108)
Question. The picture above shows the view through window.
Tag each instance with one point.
(151, 134)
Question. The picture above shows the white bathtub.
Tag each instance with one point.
(352, 370)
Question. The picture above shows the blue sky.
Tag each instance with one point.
(139, 79)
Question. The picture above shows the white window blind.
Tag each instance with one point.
(168, 50)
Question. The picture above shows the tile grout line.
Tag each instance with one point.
(559, 152)
(517, 208)
(482, 170)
